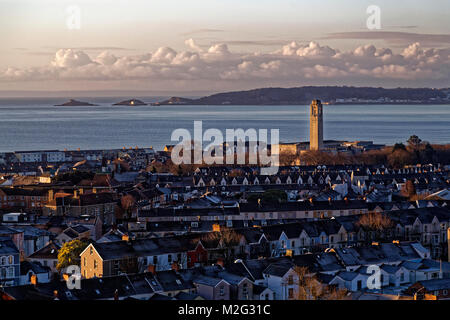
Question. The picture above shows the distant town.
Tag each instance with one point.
(351, 219)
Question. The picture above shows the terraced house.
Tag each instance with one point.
(9, 262)
(29, 199)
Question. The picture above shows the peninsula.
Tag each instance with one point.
(327, 94)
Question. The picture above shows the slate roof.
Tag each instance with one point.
(7, 246)
(50, 251)
(436, 284)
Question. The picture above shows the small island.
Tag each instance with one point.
(75, 103)
(174, 101)
(131, 102)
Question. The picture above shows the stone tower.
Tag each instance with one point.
(316, 126)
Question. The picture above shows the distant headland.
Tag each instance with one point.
(75, 103)
(327, 94)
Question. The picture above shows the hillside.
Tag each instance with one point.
(332, 95)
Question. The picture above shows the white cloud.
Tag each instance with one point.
(69, 58)
(293, 63)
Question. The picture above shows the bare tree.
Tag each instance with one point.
(310, 288)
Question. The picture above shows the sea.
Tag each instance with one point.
(36, 124)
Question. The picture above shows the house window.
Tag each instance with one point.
(95, 264)
(10, 259)
(91, 251)
(290, 280)
(10, 273)
(222, 291)
(155, 260)
(402, 276)
(84, 261)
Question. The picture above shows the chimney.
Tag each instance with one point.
(220, 262)
(34, 279)
(151, 268)
(175, 266)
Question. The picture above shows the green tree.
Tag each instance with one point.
(69, 254)
(269, 196)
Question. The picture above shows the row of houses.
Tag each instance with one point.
(401, 268)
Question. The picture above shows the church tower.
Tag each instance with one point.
(316, 126)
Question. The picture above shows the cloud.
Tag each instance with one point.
(394, 38)
(218, 66)
(70, 58)
(192, 45)
(313, 49)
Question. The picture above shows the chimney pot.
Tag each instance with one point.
(220, 262)
(151, 268)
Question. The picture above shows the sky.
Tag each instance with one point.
(184, 46)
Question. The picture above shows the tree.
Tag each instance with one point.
(128, 202)
(399, 158)
(375, 221)
(226, 238)
(69, 254)
(414, 141)
(398, 146)
(310, 288)
(269, 196)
